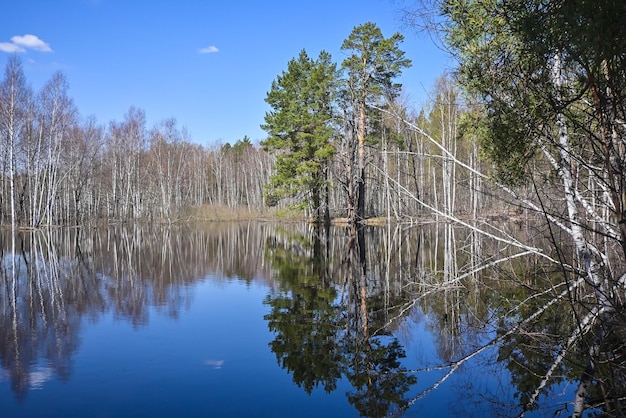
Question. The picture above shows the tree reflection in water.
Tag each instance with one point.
(323, 333)
(64, 275)
(491, 311)
(39, 321)
(344, 306)
(304, 314)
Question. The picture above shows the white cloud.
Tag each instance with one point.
(9, 47)
(208, 50)
(22, 43)
(32, 42)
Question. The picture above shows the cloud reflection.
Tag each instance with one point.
(215, 364)
(37, 378)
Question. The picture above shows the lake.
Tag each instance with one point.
(270, 320)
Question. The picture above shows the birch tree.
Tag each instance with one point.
(84, 150)
(168, 152)
(551, 81)
(15, 96)
(126, 144)
(57, 118)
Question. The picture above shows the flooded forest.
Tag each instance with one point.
(494, 217)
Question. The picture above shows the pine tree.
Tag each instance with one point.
(370, 69)
(299, 128)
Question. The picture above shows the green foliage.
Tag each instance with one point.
(370, 70)
(503, 141)
(311, 340)
(239, 148)
(592, 34)
(496, 70)
(299, 128)
(506, 53)
(378, 377)
(226, 147)
(241, 145)
(303, 316)
(374, 62)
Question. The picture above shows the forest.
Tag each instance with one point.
(341, 142)
(60, 169)
(530, 125)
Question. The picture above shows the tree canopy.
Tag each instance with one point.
(373, 64)
(299, 128)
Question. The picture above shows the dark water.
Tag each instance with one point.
(254, 319)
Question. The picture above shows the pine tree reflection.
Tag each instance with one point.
(322, 336)
(337, 303)
(304, 316)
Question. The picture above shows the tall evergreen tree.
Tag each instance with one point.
(299, 128)
(370, 69)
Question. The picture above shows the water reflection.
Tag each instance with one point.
(499, 319)
(390, 315)
(320, 315)
(39, 319)
(58, 277)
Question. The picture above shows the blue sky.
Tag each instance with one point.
(207, 63)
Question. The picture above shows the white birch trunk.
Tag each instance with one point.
(592, 266)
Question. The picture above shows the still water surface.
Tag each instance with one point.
(243, 319)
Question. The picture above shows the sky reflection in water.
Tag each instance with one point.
(213, 360)
(223, 322)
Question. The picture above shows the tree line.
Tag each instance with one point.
(536, 113)
(330, 134)
(346, 143)
(57, 168)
